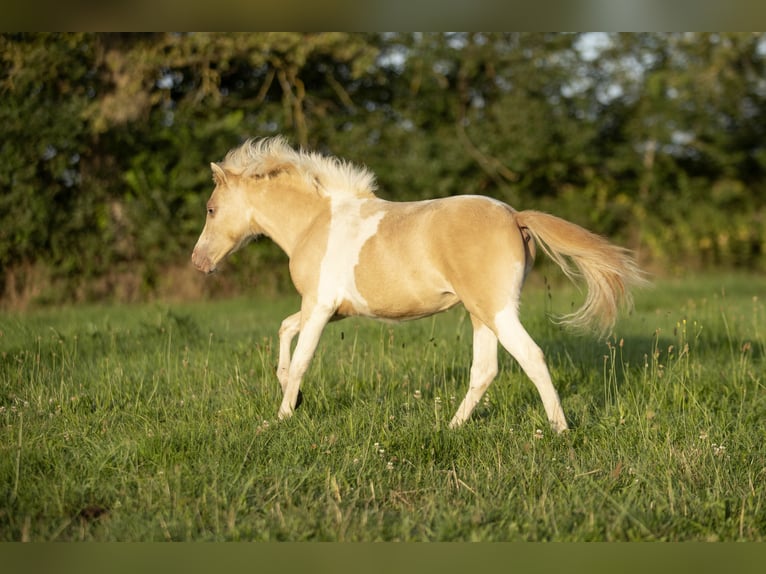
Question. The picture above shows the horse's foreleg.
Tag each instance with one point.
(312, 322)
(287, 331)
(518, 343)
(290, 327)
(483, 370)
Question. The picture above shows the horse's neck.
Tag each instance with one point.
(285, 213)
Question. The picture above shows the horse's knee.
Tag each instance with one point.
(290, 326)
(481, 377)
(287, 330)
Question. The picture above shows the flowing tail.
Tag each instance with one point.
(608, 270)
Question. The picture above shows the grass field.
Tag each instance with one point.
(158, 422)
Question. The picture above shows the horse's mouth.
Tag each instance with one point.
(207, 268)
(203, 264)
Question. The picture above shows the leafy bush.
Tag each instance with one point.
(105, 140)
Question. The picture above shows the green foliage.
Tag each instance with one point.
(105, 139)
(158, 422)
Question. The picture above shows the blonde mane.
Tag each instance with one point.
(267, 156)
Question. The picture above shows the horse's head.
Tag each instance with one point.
(229, 224)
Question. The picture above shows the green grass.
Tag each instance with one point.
(158, 422)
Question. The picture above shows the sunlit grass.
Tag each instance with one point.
(158, 422)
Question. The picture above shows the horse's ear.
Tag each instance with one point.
(219, 174)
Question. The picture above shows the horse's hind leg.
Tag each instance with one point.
(518, 343)
(483, 370)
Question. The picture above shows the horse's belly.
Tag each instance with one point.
(401, 292)
(404, 308)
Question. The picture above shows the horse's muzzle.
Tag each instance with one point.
(202, 262)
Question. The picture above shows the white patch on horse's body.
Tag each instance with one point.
(352, 253)
(349, 231)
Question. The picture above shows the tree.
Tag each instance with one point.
(105, 139)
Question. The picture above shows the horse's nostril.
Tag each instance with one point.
(201, 262)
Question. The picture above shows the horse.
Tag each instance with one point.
(352, 253)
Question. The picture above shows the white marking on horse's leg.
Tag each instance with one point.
(308, 339)
(290, 327)
(483, 370)
(518, 343)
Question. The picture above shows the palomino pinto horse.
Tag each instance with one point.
(352, 253)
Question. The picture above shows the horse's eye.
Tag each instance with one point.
(210, 211)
